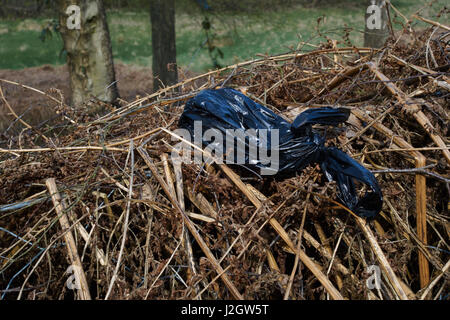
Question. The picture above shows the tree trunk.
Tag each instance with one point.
(89, 54)
(162, 15)
(377, 24)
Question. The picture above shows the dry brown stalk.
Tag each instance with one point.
(396, 284)
(297, 258)
(420, 161)
(117, 113)
(382, 259)
(427, 290)
(410, 106)
(125, 223)
(434, 23)
(72, 251)
(327, 247)
(311, 265)
(202, 204)
(421, 205)
(19, 118)
(342, 77)
(148, 133)
(409, 234)
(315, 269)
(79, 149)
(190, 226)
(443, 84)
(186, 242)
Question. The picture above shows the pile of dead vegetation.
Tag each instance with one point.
(101, 194)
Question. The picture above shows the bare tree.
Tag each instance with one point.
(377, 24)
(88, 46)
(162, 15)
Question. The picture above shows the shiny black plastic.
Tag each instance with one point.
(299, 144)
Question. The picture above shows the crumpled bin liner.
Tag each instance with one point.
(299, 144)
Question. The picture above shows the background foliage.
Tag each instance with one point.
(239, 30)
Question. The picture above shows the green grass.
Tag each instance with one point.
(240, 36)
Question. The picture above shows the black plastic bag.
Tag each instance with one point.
(298, 143)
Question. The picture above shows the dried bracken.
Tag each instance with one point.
(138, 226)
